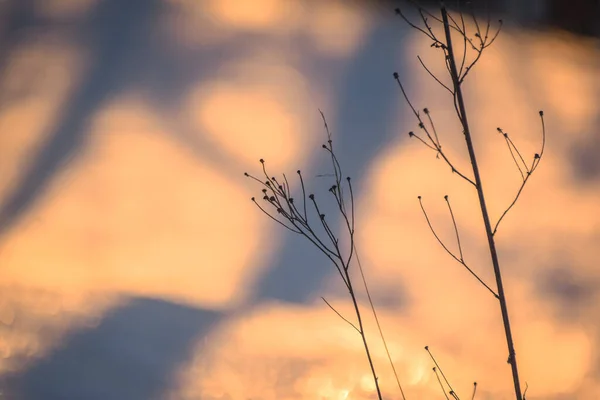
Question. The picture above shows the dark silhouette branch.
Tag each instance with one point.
(278, 196)
(340, 315)
(459, 260)
(441, 372)
(489, 232)
(529, 171)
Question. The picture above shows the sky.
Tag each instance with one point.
(133, 264)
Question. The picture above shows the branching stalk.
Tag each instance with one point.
(486, 219)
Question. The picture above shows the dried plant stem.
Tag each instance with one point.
(364, 337)
(486, 219)
(277, 196)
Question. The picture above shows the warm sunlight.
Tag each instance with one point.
(129, 245)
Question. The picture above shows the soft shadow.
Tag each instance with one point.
(132, 354)
(362, 128)
(110, 34)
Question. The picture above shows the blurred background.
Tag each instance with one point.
(133, 264)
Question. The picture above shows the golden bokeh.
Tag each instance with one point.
(152, 203)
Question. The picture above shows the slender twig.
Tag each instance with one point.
(278, 196)
(437, 139)
(440, 382)
(340, 315)
(536, 161)
(433, 145)
(434, 232)
(455, 227)
(440, 369)
(387, 351)
(459, 260)
(474, 390)
(434, 77)
(489, 232)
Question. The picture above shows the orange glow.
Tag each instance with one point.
(152, 203)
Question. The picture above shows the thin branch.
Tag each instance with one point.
(435, 234)
(387, 351)
(512, 154)
(434, 77)
(273, 218)
(480, 193)
(437, 139)
(439, 368)
(536, 161)
(455, 227)
(341, 316)
(411, 24)
(432, 147)
(440, 382)
(279, 196)
(436, 147)
(474, 390)
(460, 261)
